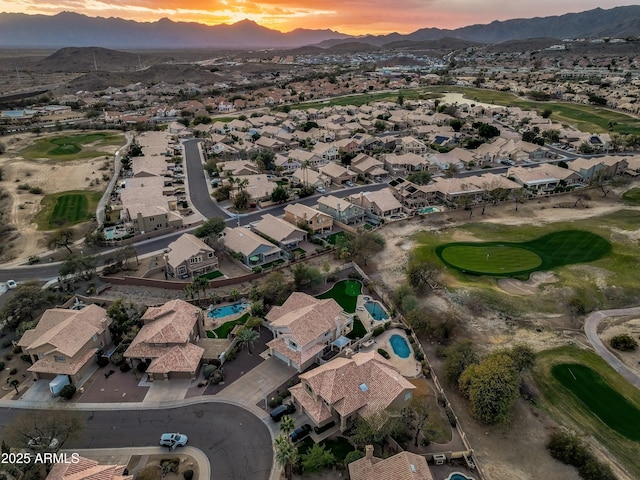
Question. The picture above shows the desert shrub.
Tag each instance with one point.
(624, 342)
(26, 358)
(117, 359)
(13, 371)
(384, 353)
(451, 417)
(187, 474)
(125, 367)
(68, 391)
(568, 448)
(170, 464)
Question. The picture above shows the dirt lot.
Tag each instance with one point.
(52, 177)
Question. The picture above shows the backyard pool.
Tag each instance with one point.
(458, 476)
(425, 210)
(220, 312)
(376, 311)
(400, 348)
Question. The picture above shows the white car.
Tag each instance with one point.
(349, 183)
(320, 189)
(11, 284)
(173, 440)
(38, 443)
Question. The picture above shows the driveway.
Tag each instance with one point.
(591, 330)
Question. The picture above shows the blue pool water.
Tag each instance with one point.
(458, 476)
(376, 311)
(400, 346)
(424, 210)
(227, 310)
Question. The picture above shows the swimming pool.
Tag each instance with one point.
(458, 476)
(424, 210)
(376, 311)
(220, 312)
(400, 348)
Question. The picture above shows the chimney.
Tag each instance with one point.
(368, 452)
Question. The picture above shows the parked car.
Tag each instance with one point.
(39, 443)
(320, 189)
(377, 179)
(300, 433)
(284, 409)
(11, 284)
(173, 440)
(349, 183)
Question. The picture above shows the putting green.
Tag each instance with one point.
(511, 259)
(602, 400)
(491, 259)
(345, 292)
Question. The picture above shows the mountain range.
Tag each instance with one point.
(72, 29)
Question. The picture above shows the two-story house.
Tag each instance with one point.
(344, 389)
(250, 248)
(341, 210)
(65, 342)
(382, 203)
(190, 256)
(288, 236)
(304, 328)
(166, 341)
(299, 214)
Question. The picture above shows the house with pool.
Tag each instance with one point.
(401, 466)
(304, 328)
(344, 389)
(249, 247)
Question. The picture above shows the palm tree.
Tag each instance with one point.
(287, 424)
(234, 294)
(247, 336)
(286, 454)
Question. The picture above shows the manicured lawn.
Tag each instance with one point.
(72, 147)
(358, 329)
(632, 196)
(513, 259)
(345, 292)
(598, 402)
(605, 403)
(334, 237)
(223, 330)
(212, 275)
(67, 208)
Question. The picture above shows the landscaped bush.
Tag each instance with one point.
(418, 355)
(384, 353)
(170, 464)
(1, 365)
(16, 349)
(187, 474)
(451, 416)
(68, 391)
(26, 358)
(103, 361)
(378, 331)
(353, 456)
(624, 342)
(208, 370)
(117, 359)
(273, 403)
(13, 371)
(141, 367)
(125, 367)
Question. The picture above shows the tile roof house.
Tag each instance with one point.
(544, 177)
(65, 342)
(188, 255)
(285, 234)
(411, 195)
(297, 214)
(345, 388)
(87, 469)
(382, 203)
(304, 328)
(307, 176)
(252, 249)
(338, 174)
(401, 466)
(340, 209)
(165, 341)
(407, 162)
(368, 166)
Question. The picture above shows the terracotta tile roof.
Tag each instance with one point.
(365, 383)
(305, 318)
(87, 469)
(67, 331)
(299, 357)
(49, 365)
(402, 466)
(181, 358)
(316, 410)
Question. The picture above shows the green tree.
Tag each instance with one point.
(420, 178)
(275, 288)
(492, 388)
(317, 458)
(485, 130)
(63, 425)
(421, 276)
(247, 336)
(279, 194)
(305, 276)
(211, 227)
(286, 454)
(375, 428)
(83, 266)
(623, 342)
(353, 456)
(365, 244)
(26, 303)
(456, 124)
(287, 425)
(458, 357)
(242, 200)
(524, 358)
(61, 238)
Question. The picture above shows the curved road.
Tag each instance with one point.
(236, 442)
(591, 330)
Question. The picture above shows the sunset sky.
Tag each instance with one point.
(347, 16)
